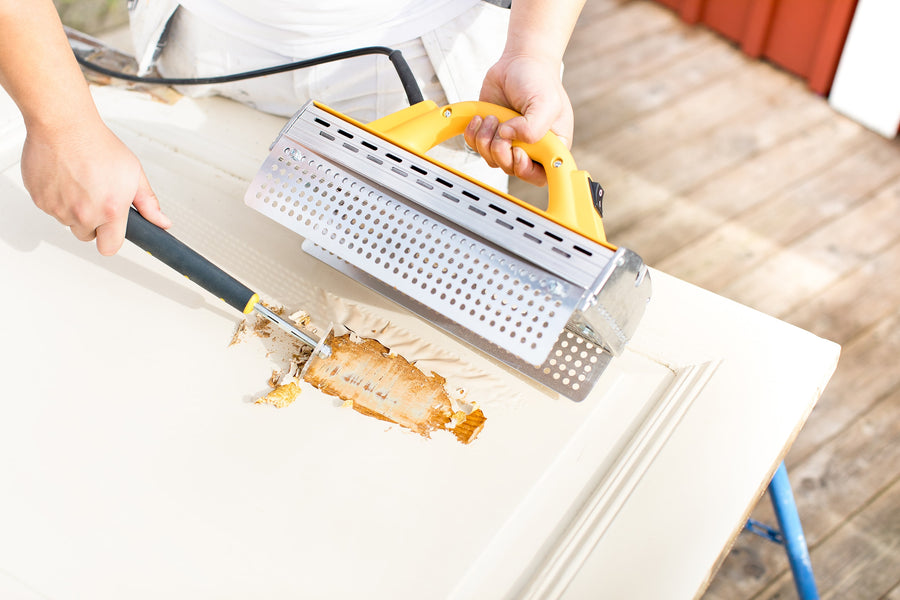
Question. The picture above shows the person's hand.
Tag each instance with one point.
(83, 175)
(531, 86)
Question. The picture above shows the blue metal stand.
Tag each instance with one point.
(791, 534)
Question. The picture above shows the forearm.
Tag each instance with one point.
(73, 166)
(527, 79)
(38, 69)
(541, 27)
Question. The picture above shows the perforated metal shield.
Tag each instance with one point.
(571, 368)
(477, 264)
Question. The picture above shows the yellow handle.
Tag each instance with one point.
(424, 125)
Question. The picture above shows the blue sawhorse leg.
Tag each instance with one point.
(791, 534)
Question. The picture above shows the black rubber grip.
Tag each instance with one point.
(167, 248)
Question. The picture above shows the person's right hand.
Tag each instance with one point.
(83, 175)
(530, 85)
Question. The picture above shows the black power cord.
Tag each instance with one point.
(407, 79)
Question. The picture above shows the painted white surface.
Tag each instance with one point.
(135, 466)
(867, 81)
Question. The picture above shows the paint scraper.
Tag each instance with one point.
(162, 245)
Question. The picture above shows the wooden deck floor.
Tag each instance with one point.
(728, 173)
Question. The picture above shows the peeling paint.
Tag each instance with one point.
(367, 376)
(386, 386)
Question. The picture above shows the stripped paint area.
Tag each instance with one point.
(387, 386)
(367, 376)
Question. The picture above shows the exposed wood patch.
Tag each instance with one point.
(376, 383)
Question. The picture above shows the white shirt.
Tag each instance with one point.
(302, 28)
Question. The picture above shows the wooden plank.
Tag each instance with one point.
(721, 104)
(852, 308)
(867, 371)
(761, 176)
(721, 257)
(829, 196)
(859, 561)
(690, 163)
(856, 302)
(840, 477)
(634, 95)
(605, 26)
(808, 267)
(830, 487)
(598, 73)
(683, 219)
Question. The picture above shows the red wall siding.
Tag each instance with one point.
(802, 36)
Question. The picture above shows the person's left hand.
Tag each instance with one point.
(531, 86)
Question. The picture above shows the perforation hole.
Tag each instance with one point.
(422, 257)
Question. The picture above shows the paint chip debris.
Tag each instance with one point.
(282, 396)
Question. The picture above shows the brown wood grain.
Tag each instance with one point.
(596, 72)
(809, 267)
(685, 218)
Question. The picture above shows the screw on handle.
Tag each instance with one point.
(168, 249)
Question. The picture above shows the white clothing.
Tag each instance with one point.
(309, 28)
(449, 62)
(299, 29)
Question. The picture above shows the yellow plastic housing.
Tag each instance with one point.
(425, 125)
